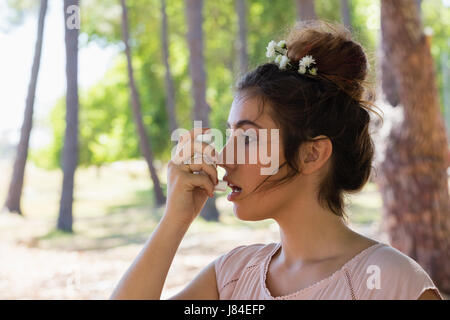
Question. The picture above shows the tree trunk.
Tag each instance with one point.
(306, 10)
(144, 142)
(197, 70)
(419, 6)
(446, 89)
(12, 202)
(70, 149)
(241, 11)
(413, 179)
(345, 13)
(388, 78)
(170, 90)
(196, 61)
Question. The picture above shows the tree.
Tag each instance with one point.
(144, 142)
(70, 149)
(345, 13)
(241, 10)
(170, 90)
(419, 5)
(196, 60)
(388, 83)
(12, 202)
(306, 10)
(413, 178)
(201, 108)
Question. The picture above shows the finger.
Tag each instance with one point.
(202, 148)
(203, 181)
(192, 134)
(191, 137)
(206, 168)
(187, 140)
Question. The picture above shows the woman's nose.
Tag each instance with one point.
(224, 160)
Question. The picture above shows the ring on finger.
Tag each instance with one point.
(189, 161)
(195, 156)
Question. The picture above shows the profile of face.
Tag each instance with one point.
(255, 199)
(246, 119)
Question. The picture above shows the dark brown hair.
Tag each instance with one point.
(335, 103)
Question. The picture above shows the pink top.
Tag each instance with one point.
(378, 272)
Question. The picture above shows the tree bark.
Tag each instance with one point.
(345, 13)
(194, 19)
(12, 202)
(419, 6)
(70, 149)
(388, 78)
(446, 88)
(170, 89)
(241, 10)
(413, 178)
(306, 10)
(201, 108)
(144, 142)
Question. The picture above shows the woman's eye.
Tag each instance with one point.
(248, 139)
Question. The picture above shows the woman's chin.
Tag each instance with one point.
(246, 214)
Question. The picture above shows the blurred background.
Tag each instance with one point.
(91, 91)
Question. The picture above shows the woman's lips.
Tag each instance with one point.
(235, 192)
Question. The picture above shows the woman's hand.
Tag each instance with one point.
(187, 192)
(186, 195)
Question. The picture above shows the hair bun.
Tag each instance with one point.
(338, 58)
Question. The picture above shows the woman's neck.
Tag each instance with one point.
(310, 233)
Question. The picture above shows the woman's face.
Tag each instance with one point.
(258, 205)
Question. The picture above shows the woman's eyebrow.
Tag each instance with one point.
(243, 122)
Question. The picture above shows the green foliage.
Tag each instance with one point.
(18, 10)
(49, 156)
(106, 127)
(329, 10)
(437, 16)
(100, 21)
(107, 131)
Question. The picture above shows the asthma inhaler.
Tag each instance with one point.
(207, 138)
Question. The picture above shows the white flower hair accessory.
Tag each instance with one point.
(305, 65)
(277, 52)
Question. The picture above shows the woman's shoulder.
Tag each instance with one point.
(244, 254)
(230, 264)
(387, 273)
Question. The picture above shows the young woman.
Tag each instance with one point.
(313, 92)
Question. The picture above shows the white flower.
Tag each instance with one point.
(302, 69)
(282, 44)
(278, 59)
(283, 62)
(306, 61)
(428, 31)
(271, 49)
(313, 71)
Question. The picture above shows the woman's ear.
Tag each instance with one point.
(314, 154)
